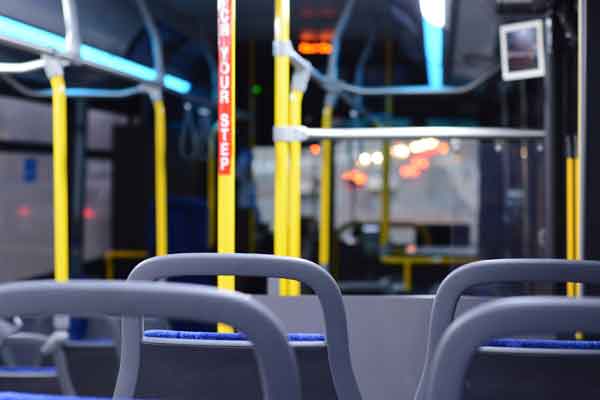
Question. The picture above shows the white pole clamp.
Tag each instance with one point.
(53, 66)
(300, 79)
(282, 48)
(289, 134)
(153, 91)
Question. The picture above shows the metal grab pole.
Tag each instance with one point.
(226, 119)
(326, 186)
(160, 177)
(60, 176)
(281, 110)
(294, 288)
(570, 203)
(580, 162)
(384, 231)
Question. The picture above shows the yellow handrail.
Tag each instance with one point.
(295, 200)
(160, 178)
(325, 198)
(281, 110)
(226, 19)
(570, 200)
(60, 179)
(577, 193)
(122, 254)
(384, 233)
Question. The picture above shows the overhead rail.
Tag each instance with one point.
(73, 92)
(35, 40)
(22, 67)
(336, 85)
(304, 133)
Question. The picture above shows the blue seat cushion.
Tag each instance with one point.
(169, 334)
(547, 344)
(46, 370)
(31, 396)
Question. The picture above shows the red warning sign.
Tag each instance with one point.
(225, 87)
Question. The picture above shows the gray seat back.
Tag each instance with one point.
(501, 318)
(495, 271)
(277, 364)
(257, 265)
(23, 349)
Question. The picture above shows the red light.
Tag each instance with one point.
(326, 35)
(89, 213)
(308, 35)
(24, 211)
(410, 249)
(315, 149)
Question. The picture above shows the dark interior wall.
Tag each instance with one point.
(591, 125)
(133, 181)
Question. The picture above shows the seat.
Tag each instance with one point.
(460, 343)
(507, 364)
(87, 367)
(26, 366)
(87, 362)
(277, 367)
(325, 366)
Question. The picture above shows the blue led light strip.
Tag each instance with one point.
(433, 42)
(25, 33)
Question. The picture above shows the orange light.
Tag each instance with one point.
(444, 148)
(315, 149)
(355, 177)
(409, 171)
(421, 163)
(24, 211)
(317, 48)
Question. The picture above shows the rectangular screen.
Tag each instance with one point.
(522, 50)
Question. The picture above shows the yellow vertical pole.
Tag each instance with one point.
(582, 35)
(570, 187)
(326, 188)
(281, 119)
(60, 178)
(407, 275)
(581, 126)
(160, 177)
(577, 255)
(294, 288)
(226, 13)
(384, 232)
